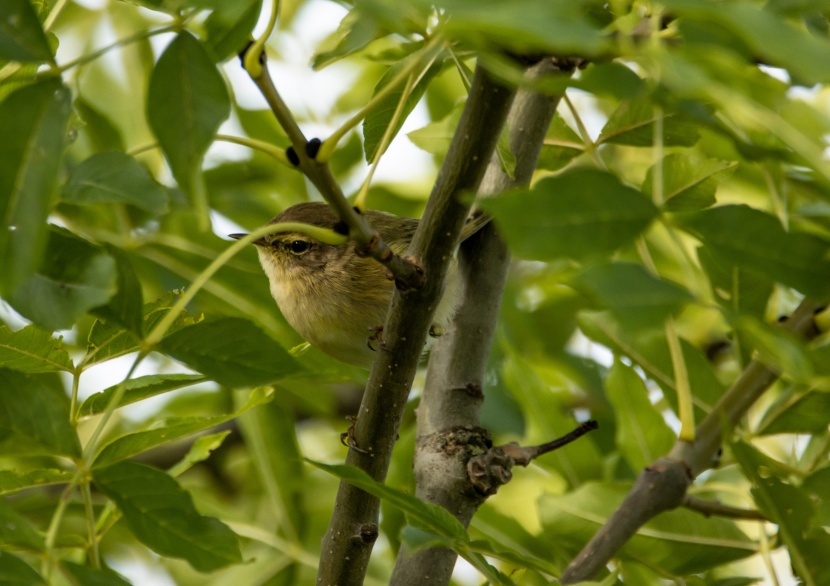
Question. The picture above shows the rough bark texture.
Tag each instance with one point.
(348, 542)
(453, 394)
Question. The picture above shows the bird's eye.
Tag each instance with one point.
(299, 246)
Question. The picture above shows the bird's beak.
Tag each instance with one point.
(260, 242)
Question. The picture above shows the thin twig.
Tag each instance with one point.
(302, 153)
(709, 508)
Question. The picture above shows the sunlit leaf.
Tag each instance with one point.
(232, 351)
(186, 102)
(160, 513)
(376, 123)
(12, 481)
(229, 27)
(678, 542)
(435, 137)
(114, 178)
(21, 36)
(792, 509)
(167, 431)
(525, 26)
(109, 339)
(578, 214)
(632, 124)
(547, 418)
(770, 37)
(688, 184)
(797, 413)
(561, 146)
(642, 433)
(34, 120)
(32, 349)
(631, 292)
(32, 410)
(353, 33)
(138, 389)
(756, 241)
(776, 348)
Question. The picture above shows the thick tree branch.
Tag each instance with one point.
(303, 155)
(663, 485)
(448, 416)
(353, 529)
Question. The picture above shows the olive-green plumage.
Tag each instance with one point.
(334, 298)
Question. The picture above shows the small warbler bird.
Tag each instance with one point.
(333, 297)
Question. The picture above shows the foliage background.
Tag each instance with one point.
(687, 178)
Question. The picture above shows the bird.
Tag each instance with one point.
(333, 297)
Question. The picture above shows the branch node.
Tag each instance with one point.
(312, 147)
(366, 534)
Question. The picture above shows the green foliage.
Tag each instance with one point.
(684, 179)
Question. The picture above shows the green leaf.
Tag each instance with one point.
(172, 429)
(425, 516)
(689, 184)
(34, 411)
(353, 33)
(74, 277)
(796, 413)
(21, 36)
(281, 471)
(231, 351)
(200, 451)
(138, 389)
(756, 241)
(127, 305)
(579, 213)
(547, 416)
(428, 516)
(186, 102)
(524, 26)
(160, 513)
(114, 178)
(379, 118)
(771, 39)
(81, 575)
(32, 349)
(435, 138)
(792, 509)
(777, 348)
(676, 542)
(16, 572)
(632, 124)
(736, 289)
(561, 146)
(101, 133)
(229, 27)
(16, 530)
(642, 433)
(635, 296)
(12, 481)
(650, 352)
(108, 339)
(34, 121)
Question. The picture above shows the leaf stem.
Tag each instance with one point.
(360, 200)
(90, 522)
(428, 53)
(83, 59)
(681, 383)
(251, 61)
